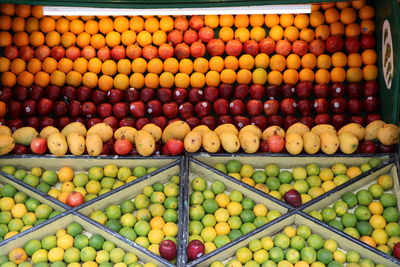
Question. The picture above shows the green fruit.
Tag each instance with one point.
(272, 170)
(42, 187)
(316, 214)
(260, 221)
(340, 207)
(74, 229)
(171, 203)
(20, 174)
(113, 212)
(362, 213)
(80, 179)
(247, 203)
(140, 171)
(199, 184)
(142, 228)
(196, 198)
(315, 241)
(96, 241)
(9, 190)
(221, 240)
(158, 187)
(217, 187)
(259, 177)
(308, 255)
(247, 228)
(276, 254)
(196, 212)
(273, 183)
(171, 190)
(285, 177)
(352, 232)
(195, 227)
(376, 190)
(299, 173)
(234, 234)
(374, 162)
(127, 206)
(391, 214)
(31, 246)
(210, 206)
(353, 256)
(349, 220)
(292, 255)
(50, 177)
(157, 197)
(339, 168)
(221, 167)
(365, 167)
(364, 228)
(393, 229)
(96, 173)
(325, 256)
(208, 194)
(124, 173)
(208, 220)
(128, 232)
(388, 200)
(170, 215)
(303, 231)
(313, 169)
(297, 242)
(350, 199)
(247, 216)
(364, 197)
(328, 214)
(71, 255)
(282, 241)
(233, 166)
(142, 201)
(301, 186)
(314, 181)
(113, 224)
(236, 195)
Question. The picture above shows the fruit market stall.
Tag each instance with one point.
(209, 133)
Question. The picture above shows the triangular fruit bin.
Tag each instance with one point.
(311, 176)
(221, 211)
(367, 211)
(144, 212)
(311, 246)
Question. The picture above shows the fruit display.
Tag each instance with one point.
(316, 68)
(297, 185)
(369, 213)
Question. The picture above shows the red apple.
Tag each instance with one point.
(224, 119)
(29, 107)
(221, 106)
(267, 45)
(307, 120)
(236, 107)
(272, 91)
(141, 122)
(120, 110)
(44, 106)
(256, 91)
(271, 107)
(339, 120)
(321, 90)
(317, 47)
(206, 34)
(60, 108)
(186, 110)
(385, 149)
(38, 145)
(289, 121)
(334, 44)
(190, 36)
(164, 95)
(193, 122)
(225, 90)
(74, 108)
(216, 47)
(209, 121)
(134, 51)
(367, 41)
(195, 249)
(259, 121)
(84, 93)
(241, 91)
(127, 122)
(63, 121)
(130, 94)
(137, 109)
(372, 117)
(93, 121)
(283, 47)
(174, 147)
(305, 107)
(288, 106)
(357, 119)
(288, 90)
(352, 45)
(170, 110)
(6, 93)
(338, 90)
(11, 52)
(371, 104)
(338, 105)
(81, 120)
(168, 250)
(233, 48)
(322, 119)
(46, 121)
(304, 89)
(254, 107)
(179, 95)
(14, 109)
(115, 96)
(195, 95)
(182, 51)
(146, 94)
(368, 147)
(88, 109)
(370, 88)
(32, 122)
(251, 47)
(154, 108)
(241, 121)
(72, 52)
(264, 147)
(355, 106)
(53, 92)
(160, 121)
(211, 93)
(69, 93)
(293, 198)
(275, 120)
(20, 149)
(20, 93)
(202, 108)
(354, 90)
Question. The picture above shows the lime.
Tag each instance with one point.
(246, 170)
(140, 171)
(71, 255)
(388, 200)
(130, 258)
(349, 220)
(20, 174)
(48, 242)
(142, 228)
(352, 232)
(5, 217)
(313, 181)
(170, 215)
(339, 168)
(276, 254)
(350, 199)
(171, 190)
(196, 198)
(292, 255)
(233, 166)
(148, 190)
(221, 240)
(273, 183)
(299, 173)
(8, 169)
(234, 222)
(74, 229)
(43, 188)
(325, 256)
(247, 203)
(353, 256)
(297, 242)
(158, 187)
(301, 186)
(96, 241)
(362, 213)
(175, 179)
(259, 177)
(3, 230)
(50, 177)
(340, 207)
(209, 220)
(247, 228)
(221, 167)
(199, 184)
(102, 256)
(95, 173)
(393, 229)
(308, 255)
(313, 169)
(255, 245)
(328, 214)
(374, 162)
(87, 254)
(285, 177)
(108, 245)
(315, 241)
(260, 221)
(113, 212)
(111, 170)
(340, 179)
(128, 220)
(124, 173)
(43, 211)
(107, 182)
(208, 194)
(195, 227)
(247, 216)
(114, 225)
(157, 197)
(142, 201)
(143, 215)
(376, 190)
(364, 197)
(236, 196)
(128, 233)
(364, 228)
(367, 263)
(9, 190)
(217, 187)
(316, 214)
(234, 234)
(282, 241)
(32, 246)
(391, 214)
(127, 206)
(171, 203)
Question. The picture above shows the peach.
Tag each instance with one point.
(133, 51)
(165, 51)
(267, 45)
(11, 52)
(88, 52)
(73, 52)
(300, 47)
(42, 52)
(216, 47)
(182, 50)
(104, 53)
(283, 47)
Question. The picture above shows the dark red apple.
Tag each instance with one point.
(372, 117)
(267, 45)
(15, 124)
(127, 122)
(338, 90)
(259, 121)
(186, 110)
(211, 93)
(141, 122)
(371, 104)
(305, 107)
(264, 147)
(251, 47)
(20, 149)
(88, 109)
(137, 109)
(6, 93)
(115, 96)
(168, 250)
(160, 121)
(20, 93)
(32, 122)
(44, 106)
(63, 121)
(170, 110)
(193, 122)
(304, 89)
(241, 121)
(288, 90)
(256, 91)
(339, 120)
(29, 107)
(81, 120)
(334, 44)
(385, 149)
(53, 92)
(224, 119)
(38, 145)
(321, 90)
(241, 91)
(271, 107)
(293, 198)
(93, 121)
(273, 91)
(275, 120)
(202, 108)
(368, 147)
(154, 108)
(74, 108)
(354, 90)
(195, 95)
(357, 119)
(120, 110)
(236, 107)
(209, 121)
(355, 106)
(307, 120)
(99, 96)
(46, 121)
(60, 108)
(221, 106)
(370, 88)
(367, 41)
(14, 109)
(321, 105)
(254, 107)
(69, 92)
(352, 45)
(112, 121)
(164, 95)
(225, 90)
(180, 95)
(322, 119)
(131, 94)
(338, 105)
(147, 94)
(288, 106)
(289, 121)
(84, 93)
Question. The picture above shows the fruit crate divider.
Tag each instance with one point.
(183, 226)
(276, 205)
(128, 191)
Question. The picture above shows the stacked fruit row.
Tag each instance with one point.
(265, 70)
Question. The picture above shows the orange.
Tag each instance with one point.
(197, 79)
(151, 24)
(322, 32)
(348, 15)
(5, 23)
(242, 34)
(231, 62)
(366, 12)
(32, 24)
(290, 76)
(369, 57)
(42, 79)
(352, 30)
(8, 79)
(376, 208)
(354, 75)
(17, 66)
(370, 72)
(159, 37)
(3, 109)
(20, 39)
(23, 10)
(327, 5)
(324, 61)
(368, 240)
(18, 24)
(338, 75)
(4, 64)
(286, 20)
(186, 66)
(37, 11)
(226, 34)
(357, 4)
(121, 81)
(97, 41)
(136, 23)
(275, 78)
(322, 76)
(331, 15)
(271, 20)
(113, 38)
(337, 28)
(309, 61)
(121, 24)
(136, 80)
(166, 24)
(49, 64)
(172, 65)
(128, 37)
(377, 221)
(276, 33)
(106, 25)
(226, 20)
(211, 21)
(90, 79)
(228, 76)
(241, 21)
(277, 62)
(244, 76)
(261, 60)
(316, 18)
(246, 61)
(201, 64)
(65, 65)
(151, 80)
(291, 33)
(212, 78)
(62, 25)
(367, 26)
(139, 65)
(91, 27)
(7, 9)
(25, 79)
(87, 18)
(339, 59)
(73, 78)
(76, 26)
(216, 63)
(83, 39)
(68, 39)
(53, 38)
(354, 60)
(47, 24)
(301, 21)
(80, 65)
(144, 38)
(307, 35)
(167, 79)
(155, 65)
(36, 38)
(109, 67)
(248, 180)
(293, 61)
(94, 65)
(124, 66)
(105, 82)
(260, 76)
(342, 5)
(306, 75)
(256, 20)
